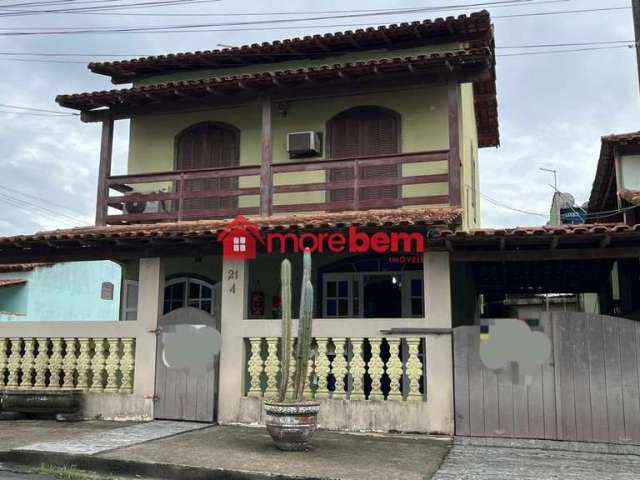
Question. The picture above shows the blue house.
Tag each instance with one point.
(61, 291)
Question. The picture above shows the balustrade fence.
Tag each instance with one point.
(84, 364)
(344, 368)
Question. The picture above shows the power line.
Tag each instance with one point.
(33, 109)
(19, 192)
(28, 206)
(34, 114)
(573, 50)
(309, 12)
(93, 9)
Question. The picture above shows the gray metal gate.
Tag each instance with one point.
(589, 390)
(187, 365)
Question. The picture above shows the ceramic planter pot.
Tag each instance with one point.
(291, 425)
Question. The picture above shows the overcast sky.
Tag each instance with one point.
(553, 108)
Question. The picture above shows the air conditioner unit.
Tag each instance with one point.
(302, 144)
(144, 206)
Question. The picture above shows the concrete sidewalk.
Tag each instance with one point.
(224, 453)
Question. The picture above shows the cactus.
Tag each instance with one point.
(285, 341)
(303, 348)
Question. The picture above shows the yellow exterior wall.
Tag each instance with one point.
(470, 182)
(424, 127)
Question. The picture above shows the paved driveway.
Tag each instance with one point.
(480, 459)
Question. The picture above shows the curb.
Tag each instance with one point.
(128, 467)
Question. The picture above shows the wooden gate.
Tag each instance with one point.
(588, 390)
(187, 365)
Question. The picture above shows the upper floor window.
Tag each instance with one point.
(209, 145)
(361, 132)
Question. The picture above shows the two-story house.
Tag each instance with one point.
(356, 144)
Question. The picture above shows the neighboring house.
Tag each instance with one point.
(62, 291)
(564, 210)
(362, 145)
(615, 194)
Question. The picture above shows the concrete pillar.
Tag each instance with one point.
(235, 277)
(150, 296)
(439, 353)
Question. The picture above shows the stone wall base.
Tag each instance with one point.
(115, 406)
(363, 416)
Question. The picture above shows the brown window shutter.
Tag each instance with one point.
(364, 131)
(208, 145)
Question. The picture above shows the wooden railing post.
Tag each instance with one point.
(104, 170)
(455, 187)
(356, 184)
(266, 176)
(181, 196)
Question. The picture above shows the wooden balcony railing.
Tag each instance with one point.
(301, 186)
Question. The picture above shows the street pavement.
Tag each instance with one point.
(531, 460)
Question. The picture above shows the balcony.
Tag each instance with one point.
(294, 187)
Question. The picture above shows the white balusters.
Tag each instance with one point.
(127, 363)
(14, 363)
(69, 364)
(41, 363)
(394, 369)
(339, 368)
(83, 364)
(414, 370)
(45, 363)
(28, 364)
(255, 367)
(112, 365)
(272, 367)
(357, 370)
(4, 345)
(55, 363)
(376, 370)
(322, 366)
(351, 361)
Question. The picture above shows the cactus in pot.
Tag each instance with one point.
(292, 421)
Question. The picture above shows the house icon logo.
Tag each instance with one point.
(239, 239)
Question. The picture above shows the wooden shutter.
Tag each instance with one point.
(208, 145)
(364, 131)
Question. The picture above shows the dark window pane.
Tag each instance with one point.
(206, 306)
(167, 306)
(343, 308)
(194, 290)
(331, 308)
(343, 289)
(416, 287)
(206, 292)
(331, 289)
(416, 306)
(177, 291)
(193, 302)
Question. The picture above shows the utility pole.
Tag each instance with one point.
(636, 26)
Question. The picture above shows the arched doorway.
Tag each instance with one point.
(208, 145)
(360, 132)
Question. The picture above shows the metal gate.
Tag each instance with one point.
(588, 390)
(187, 365)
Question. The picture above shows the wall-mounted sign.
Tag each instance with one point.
(106, 292)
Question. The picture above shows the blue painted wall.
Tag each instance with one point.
(63, 292)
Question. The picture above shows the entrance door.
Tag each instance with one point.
(187, 365)
(208, 145)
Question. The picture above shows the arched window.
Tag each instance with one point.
(208, 145)
(187, 291)
(360, 132)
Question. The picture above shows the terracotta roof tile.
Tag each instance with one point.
(476, 27)
(22, 267)
(395, 217)
(537, 231)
